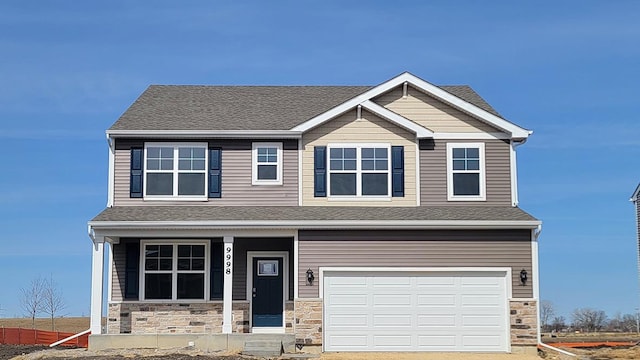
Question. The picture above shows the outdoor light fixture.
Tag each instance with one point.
(523, 277)
(310, 277)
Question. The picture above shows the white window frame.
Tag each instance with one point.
(482, 193)
(175, 171)
(358, 171)
(254, 163)
(174, 270)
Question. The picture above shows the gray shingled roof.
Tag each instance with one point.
(195, 107)
(303, 213)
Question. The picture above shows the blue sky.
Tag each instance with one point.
(568, 70)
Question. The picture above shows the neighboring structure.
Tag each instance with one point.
(348, 218)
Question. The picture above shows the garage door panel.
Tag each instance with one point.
(435, 321)
(395, 321)
(417, 311)
(430, 300)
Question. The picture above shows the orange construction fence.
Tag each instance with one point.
(17, 336)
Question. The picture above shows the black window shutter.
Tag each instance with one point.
(135, 188)
(397, 174)
(320, 171)
(216, 277)
(215, 173)
(132, 273)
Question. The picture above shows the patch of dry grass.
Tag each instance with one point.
(63, 324)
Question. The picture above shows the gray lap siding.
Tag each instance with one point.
(433, 173)
(237, 189)
(429, 248)
(241, 246)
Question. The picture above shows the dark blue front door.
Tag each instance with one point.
(267, 292)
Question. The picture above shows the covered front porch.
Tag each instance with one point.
(193, 282)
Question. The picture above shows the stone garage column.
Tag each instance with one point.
(97, 269)
(227, 295)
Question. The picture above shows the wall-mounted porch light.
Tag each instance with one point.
(310, 277)
(523, 277)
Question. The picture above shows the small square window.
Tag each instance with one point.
(267, 163)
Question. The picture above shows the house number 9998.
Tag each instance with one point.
(227, 269)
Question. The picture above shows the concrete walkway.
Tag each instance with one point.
(426, 356)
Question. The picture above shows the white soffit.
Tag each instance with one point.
(515, 131)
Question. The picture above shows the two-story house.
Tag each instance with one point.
(338, 218)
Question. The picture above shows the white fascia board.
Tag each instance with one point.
(634, 197)
(514, 130)
(209, 134)
(104, 226)
(421, 132)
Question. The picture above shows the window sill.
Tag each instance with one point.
(260, 183)
(461, 198)
(359, 198)
(176, 198)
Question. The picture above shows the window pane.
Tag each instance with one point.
(166, 264)
(262, 158)
(381, 164)
(151, 264)
(166, 250)
(368, 165)
(190, 184)
(184, 165)
(349, 153)
(262, 151)
(151, 250)
(166, 152)
(466, 184)
(157, 286)
(473, 153)
(335, 153)
(349, 165)
(473, 165)
(335, 165)
(159, 184)
(184, 250)
(153, 164)
(381, 153)
(374, 184)
(153, 152)
(267, 172)
(198, 153)
(367, 152)
(458, 165)
(197, 264)
(184, 264)
(343, 184)
(458, 153)
(197, 165)
(197, 250)
(190, 286)
(166, 165)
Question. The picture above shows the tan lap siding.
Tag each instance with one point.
(433, 173)
(368, 129)
(236, 177)
(508, 248)
(431, 113)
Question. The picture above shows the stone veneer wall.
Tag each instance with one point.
(524, 323)
(195, 318)
(308, 321)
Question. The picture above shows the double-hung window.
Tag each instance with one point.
(465, 172)
(266, 163)
(175, 170)
(360, 170)
(174, 271)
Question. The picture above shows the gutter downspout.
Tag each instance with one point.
(536, 234)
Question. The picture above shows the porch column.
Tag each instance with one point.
(227, 295)
(97, 269)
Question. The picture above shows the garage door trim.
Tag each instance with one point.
(500, 272)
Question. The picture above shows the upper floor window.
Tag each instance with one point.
(465, 172)
(359, 170)
(175, 170)
(266, 163)
(174, 271)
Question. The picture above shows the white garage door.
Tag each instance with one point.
(415, 311)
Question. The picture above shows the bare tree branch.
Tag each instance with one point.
(32, 297)
(52, 301)
(589, 319)
(546, 313)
